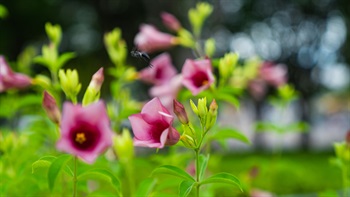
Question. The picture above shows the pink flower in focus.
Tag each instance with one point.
(85, 131)
(170, 21)
(167, 92)
(161, 71)
(197, 75)
(10, 79)
(273, 74)
(153, 126)
(149, 39)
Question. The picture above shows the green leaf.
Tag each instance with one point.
(172, 170)
(223, 177)
(146, 186)
(268, 127)
(203, 162)
(65, 57)
(229, 98)
(56, 168)
(40, 166)
(297, 127)
(227, 133)
(101, 174)
(185, 188)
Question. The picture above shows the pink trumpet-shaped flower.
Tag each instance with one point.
(197, 75)
(153, 126)
(167, 92)
(85, 131)
(170, 21)
(149, 39)
(162, 70)
(273, 74)
(10, 79)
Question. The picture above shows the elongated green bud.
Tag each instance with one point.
(92, 93)
(212, 115)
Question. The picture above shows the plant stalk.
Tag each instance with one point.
(75, 177)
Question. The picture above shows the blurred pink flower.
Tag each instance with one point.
(257, 88)
(85, 131)
(149, 39)
(170, 21)
(153, 126)
(51, 108)
(273, 74)
(167, 92)
(10, 79)
(162, 70)
(197, 75)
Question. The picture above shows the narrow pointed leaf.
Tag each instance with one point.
(203, 162)
(146, 187)
(185, 188)
(65, 57)
(230, 99)
(172, 170)
(56, 167)
(101, 174)
(222, 178)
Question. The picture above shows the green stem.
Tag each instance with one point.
(75, 177)
(197, 171)
(345, 181)
(130, 177)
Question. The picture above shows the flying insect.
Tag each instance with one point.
(141, 55)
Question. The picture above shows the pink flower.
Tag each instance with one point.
(153, 126)
(161, 71)
(85, 131)
(167, 92)
(10, 79)
(149, 39)
(273, 74)
(170, 21)
(197, 75)
(257, 88)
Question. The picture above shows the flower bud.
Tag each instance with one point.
(227, 64)
(210, 47)
(180, 112)
(54, 33)
(51, 108)
(42, 81)
(342, 151)
(123, 146)
(202, 108)
(212, 115)
(194, 107)
(188, 141)
(173, 137)
(93, 90)
(170, 21)
(69, 81)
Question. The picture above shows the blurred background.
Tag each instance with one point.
(311, 37)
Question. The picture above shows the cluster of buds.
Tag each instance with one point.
(192, 138)
(342, 149)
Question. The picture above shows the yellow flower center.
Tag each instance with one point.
(80, 138)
